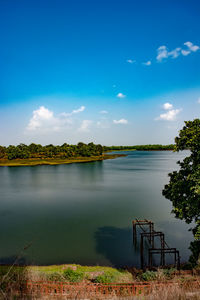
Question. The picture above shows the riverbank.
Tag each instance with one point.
(55, 161)
(96, 274)
(86, 282)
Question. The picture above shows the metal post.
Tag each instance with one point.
(134, 235)
(141, 253)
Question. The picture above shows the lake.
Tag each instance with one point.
(82, 213)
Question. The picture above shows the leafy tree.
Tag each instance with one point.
(184, 185)
(2, 152)
(23, 151)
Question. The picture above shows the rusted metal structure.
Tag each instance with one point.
(140, 224)
(162, 252)
(148, 233)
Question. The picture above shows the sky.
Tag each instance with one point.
(114, 72)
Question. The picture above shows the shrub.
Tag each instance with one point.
(107, 277)
(169, 273)
(73, 276)
(55, 276)
(149, 275)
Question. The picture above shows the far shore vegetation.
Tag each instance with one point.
(150, 147)
(36, 154)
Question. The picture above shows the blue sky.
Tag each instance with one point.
(112, 72)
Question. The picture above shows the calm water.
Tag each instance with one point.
(82, 213)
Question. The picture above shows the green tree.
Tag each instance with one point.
(2, 152)
(184, 185)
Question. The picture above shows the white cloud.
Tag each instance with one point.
(185, 52)
(120, 95)
(148, 63)
(174, 53)
(167, 106)
(75, 111)
(198, 101)
(42, 117)
(43, 120)
(85, 125)
(191, 46)
(163, 53)
(130, 61)
(103, 112)
(169, 116)
(121, 121)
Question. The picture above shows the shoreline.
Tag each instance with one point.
(146, 150)
(54, 161)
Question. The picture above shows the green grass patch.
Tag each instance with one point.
(73, 276)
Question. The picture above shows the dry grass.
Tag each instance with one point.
(174, 293)
(181, 288)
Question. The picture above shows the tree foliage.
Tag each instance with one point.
(184, 185)
(23, 151)
(150, 147)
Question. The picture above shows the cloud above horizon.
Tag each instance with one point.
(171, 113)
(121, 121)
(43, 120)
(121, 95)
(85, 126)
(130, 61)
(103, 112)
(163, 53)
(167, 106)
(148, 63)
(75, 111)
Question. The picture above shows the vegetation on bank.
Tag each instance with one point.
(154, 147)
(55, 161)
(36, 154)
(37, 151)
(92, 274)
(166, 284)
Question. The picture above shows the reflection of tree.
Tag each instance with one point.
(92, 173)
(117, 246)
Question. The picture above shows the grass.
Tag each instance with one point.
(90, 273)
(182, 289)
(172, 293)
(55, 161)
(98, 273)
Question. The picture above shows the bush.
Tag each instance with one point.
(107, 277)
(73, 276)
(55, 277)
(149, 275)
(169, 273)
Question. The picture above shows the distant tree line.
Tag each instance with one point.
(141, 147)
(23, 151)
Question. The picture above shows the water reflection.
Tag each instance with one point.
(92, 173)
(117, 246)
(82, 213)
